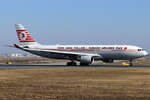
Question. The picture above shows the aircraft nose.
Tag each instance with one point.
(145, 53)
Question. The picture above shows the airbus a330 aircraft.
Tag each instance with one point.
(85, 54)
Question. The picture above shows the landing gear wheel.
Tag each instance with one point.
(131, 64)
(84, 64)
(71, 63)
(74, 64)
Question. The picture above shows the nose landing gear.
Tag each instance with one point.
(130, 63)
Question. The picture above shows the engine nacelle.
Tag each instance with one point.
(86, 59)
(108, 60)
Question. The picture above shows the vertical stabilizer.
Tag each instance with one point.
(23, 36)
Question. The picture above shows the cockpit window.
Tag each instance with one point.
(140, 49)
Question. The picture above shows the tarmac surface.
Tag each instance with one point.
(63, 66)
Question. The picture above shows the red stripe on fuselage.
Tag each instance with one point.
(91, 50)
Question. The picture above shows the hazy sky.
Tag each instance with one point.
(77, 22)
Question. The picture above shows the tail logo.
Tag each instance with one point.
(22, 36)
(125, 48)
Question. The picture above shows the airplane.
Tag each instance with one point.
(85, 54)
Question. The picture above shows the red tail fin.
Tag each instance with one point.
(23, 35)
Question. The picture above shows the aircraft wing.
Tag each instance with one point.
(66, 53)
(73, 55)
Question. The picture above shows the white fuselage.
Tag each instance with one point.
(114, 52)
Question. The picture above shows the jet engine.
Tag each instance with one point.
(86, 60)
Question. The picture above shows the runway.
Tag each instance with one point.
(9, 67)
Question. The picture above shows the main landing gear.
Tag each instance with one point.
(71, 63)
(84, 64)
(130, 63)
